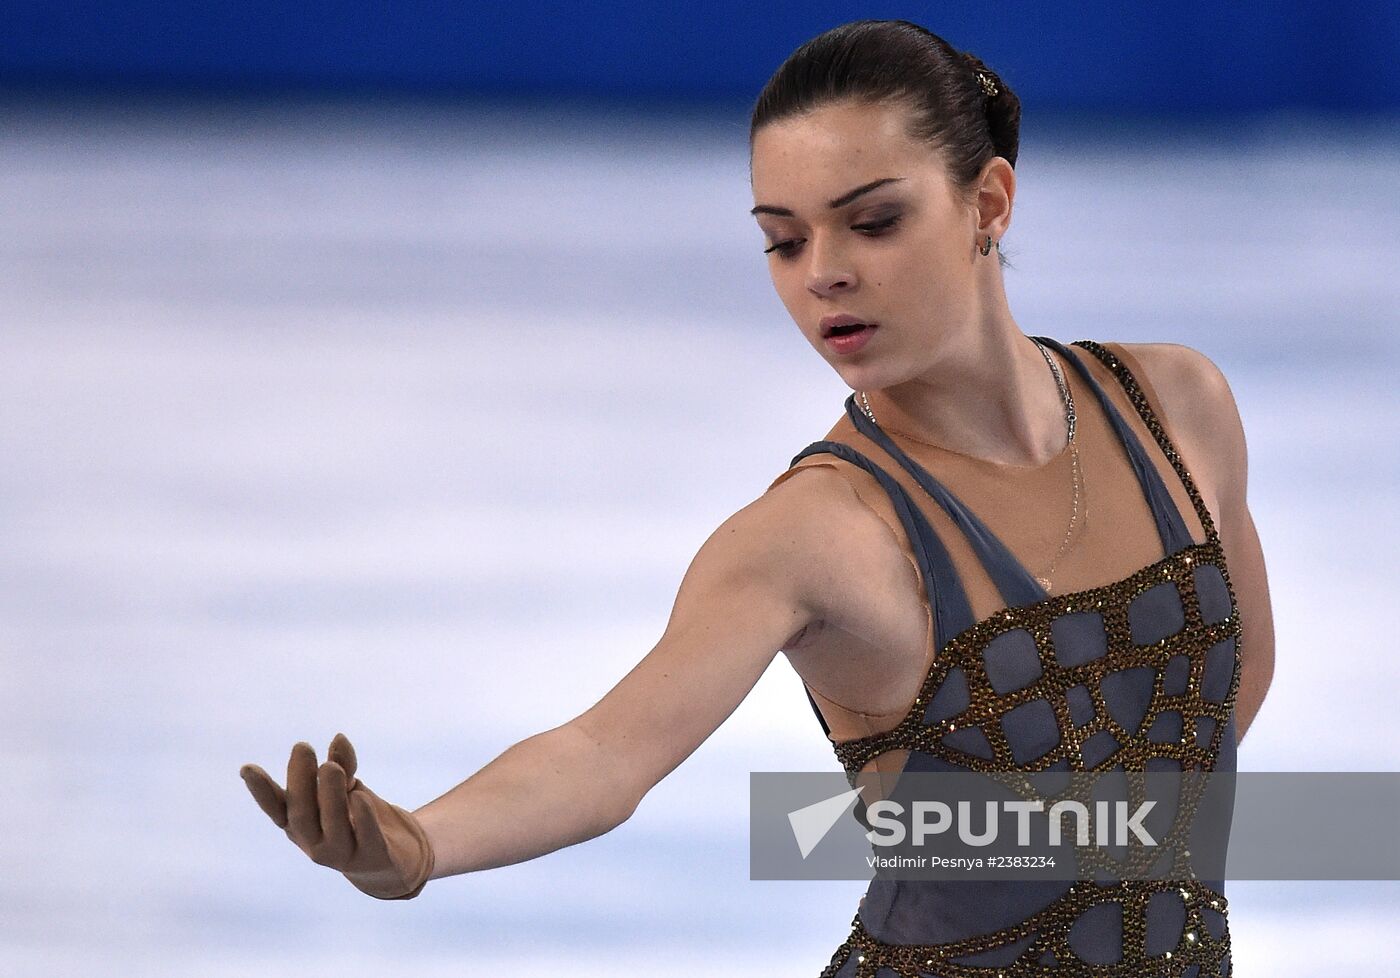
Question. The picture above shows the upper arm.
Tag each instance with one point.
(746, 592)
(1205, 418)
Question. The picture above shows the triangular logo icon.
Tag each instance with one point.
(811, 824)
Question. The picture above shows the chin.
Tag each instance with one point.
(858, 378)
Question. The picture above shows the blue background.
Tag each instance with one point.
(1191, 56)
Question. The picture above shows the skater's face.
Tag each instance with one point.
(861, 219)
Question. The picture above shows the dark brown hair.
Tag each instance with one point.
(895, 60)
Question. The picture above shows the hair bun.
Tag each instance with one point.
(957, 103)
(985, 76)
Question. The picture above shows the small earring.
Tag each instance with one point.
(986, 249)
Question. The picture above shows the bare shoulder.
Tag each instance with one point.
(1200, 409)
(814, 526)
(1181, 374)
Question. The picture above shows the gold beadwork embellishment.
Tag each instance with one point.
(1050, 930)
(1050, 927)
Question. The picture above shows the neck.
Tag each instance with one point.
(994, 399)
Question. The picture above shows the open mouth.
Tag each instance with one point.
(845, 330)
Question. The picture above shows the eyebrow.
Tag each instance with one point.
(841, 201)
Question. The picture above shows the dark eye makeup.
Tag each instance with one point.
(786, 249)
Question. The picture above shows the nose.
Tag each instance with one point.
(828, 272)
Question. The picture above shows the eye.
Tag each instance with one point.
(788, 248)
(785, 249)
(878, 227)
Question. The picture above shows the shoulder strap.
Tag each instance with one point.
(943, 588)
(1017, 585)
(1149, 418)
(1171, 528)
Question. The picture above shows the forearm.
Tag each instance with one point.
(554, 789)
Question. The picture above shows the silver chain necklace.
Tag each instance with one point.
(1077, 476)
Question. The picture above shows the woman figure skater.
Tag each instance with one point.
(1104, 606)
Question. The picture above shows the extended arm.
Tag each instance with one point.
(747, 591)
(740, 599)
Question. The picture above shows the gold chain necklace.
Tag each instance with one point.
(1077, 477)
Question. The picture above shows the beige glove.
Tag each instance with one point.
(340, 823)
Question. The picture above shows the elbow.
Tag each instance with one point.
(626, 788)
(613, 793)
(626, 808)
(616, 805)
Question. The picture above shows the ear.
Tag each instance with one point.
(996, 193)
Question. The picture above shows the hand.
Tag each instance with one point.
(381, 848)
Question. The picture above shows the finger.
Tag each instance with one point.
(343, 753)
(370, 845)
(338, 836)
(303, 816)
(266, 792)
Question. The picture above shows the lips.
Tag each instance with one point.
(847, 330)
(838, 325)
